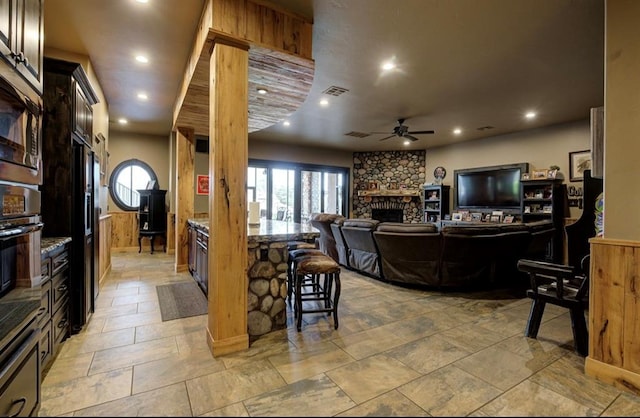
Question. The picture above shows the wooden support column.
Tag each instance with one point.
(185, 155)
(228, 153)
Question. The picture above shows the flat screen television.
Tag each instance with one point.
(496, 187)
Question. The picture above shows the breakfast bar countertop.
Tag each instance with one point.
(270, 230)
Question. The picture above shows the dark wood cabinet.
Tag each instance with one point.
(21, 38)
(152, 217)
(53, 315)
(546, 200)
(68, 192)
(199, 256)
(436, 202)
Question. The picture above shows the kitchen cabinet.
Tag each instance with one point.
(22, 38)
(53, 315)
(199, 256)
(70, 181)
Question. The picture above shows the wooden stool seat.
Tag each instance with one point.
(327, 293)
(293, 256)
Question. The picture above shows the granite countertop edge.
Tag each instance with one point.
(48, 244)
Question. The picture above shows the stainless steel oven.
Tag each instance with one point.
(20, 144)
(20, 227)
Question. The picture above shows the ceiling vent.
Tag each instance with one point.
(485, 128)
(357, 134)
(335, 91)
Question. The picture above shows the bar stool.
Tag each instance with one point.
(293, 256)
(327, 293)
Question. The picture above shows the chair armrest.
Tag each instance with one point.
(542, 272)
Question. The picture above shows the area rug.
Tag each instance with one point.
(181, 300)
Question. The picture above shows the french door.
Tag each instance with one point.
(292, 193)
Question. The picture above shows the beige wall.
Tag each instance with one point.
(538, 147)
(152, 149)
(622, 120)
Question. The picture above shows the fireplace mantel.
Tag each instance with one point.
(399, 192)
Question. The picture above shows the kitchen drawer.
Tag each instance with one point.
(46, 345)
(45, 269)
(60, 289)
(44, 313)
(59, 260)
(60, 325)
(20, 380)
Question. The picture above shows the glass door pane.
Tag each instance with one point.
(311, 194)
(333, 193)
(282, 196)
(257, 188)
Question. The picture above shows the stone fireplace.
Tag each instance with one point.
(388, 211)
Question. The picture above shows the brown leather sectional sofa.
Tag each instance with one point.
(457, 256)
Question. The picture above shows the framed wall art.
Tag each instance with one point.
(578, 162)
(202, 184)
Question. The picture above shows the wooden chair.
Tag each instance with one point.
(559, 285)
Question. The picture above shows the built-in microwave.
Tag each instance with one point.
(20, 146)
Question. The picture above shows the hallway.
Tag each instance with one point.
(398, 352)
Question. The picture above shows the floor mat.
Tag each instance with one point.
(181, 300)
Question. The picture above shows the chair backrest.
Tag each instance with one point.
(341, 244)
(322, 222)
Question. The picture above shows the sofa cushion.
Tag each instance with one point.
(361, 223)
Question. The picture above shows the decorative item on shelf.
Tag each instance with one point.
(508, 219)
(553, 172)
(393, 185)
(476, 217)
(578, 162)
(373, 185)
(526, 176)
(439, 174)
(539, 174)
(403, 186)
(433, 195)
(456, 216)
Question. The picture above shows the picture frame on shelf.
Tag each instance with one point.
(393, 185)
(476, 217)
(373, 185)
(508, 219)
(578, 162)
(539, 174)
(456, 216)
(551, 174)
(495, 218)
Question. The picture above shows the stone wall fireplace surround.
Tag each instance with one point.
(405, 168)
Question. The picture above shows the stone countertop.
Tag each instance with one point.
(51, 243)
(269, 230)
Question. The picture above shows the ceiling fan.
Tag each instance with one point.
(402, 131)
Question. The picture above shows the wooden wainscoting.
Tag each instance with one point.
(125, 234)
(105, 246)
(614, 309)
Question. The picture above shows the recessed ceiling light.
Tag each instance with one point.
(406, 143)
(142, 1)
(457, 131)
(262, 91)
(324, 102)
(142, 58)
(142, 96)
(286, 123)
(122, 121)
(388, 65)
(530, 115)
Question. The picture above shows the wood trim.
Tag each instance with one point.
(614, 303)
(105, 228)
(185, 186)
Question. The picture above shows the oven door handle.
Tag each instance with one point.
(20, 230)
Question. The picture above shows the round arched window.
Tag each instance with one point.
(126, 179)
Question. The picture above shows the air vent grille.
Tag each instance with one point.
(485, 128)
(357, 134)
(335, 91)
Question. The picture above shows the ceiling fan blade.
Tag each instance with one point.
(413, 138)
(387, 137)
(385, 132)
(421, 132)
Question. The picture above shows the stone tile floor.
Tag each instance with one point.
(398, 352)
